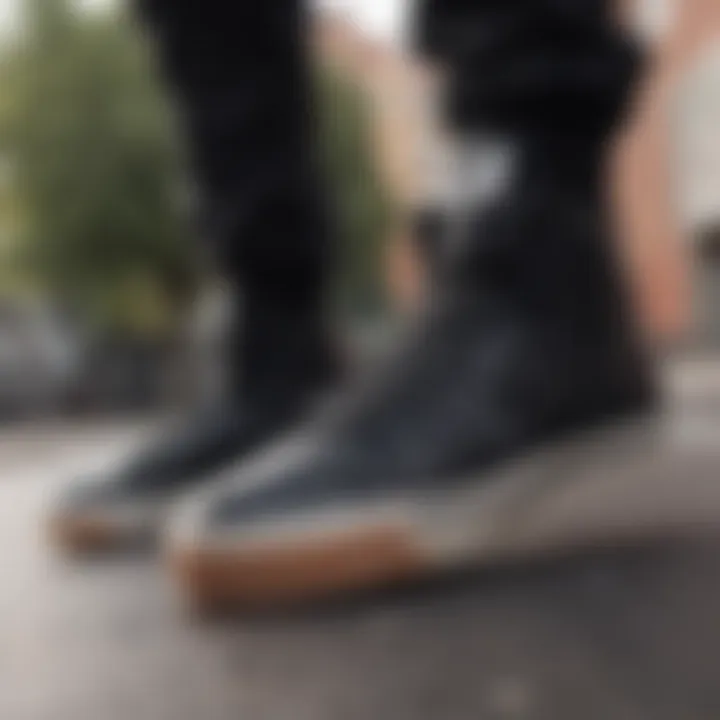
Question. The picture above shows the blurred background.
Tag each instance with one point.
(110, 316)
(99, 268)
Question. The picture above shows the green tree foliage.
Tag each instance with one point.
(95, 170)
(363, 208)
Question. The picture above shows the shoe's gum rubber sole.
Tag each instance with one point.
(101, 532)
(215, 580)
(612, 488)
(83, 536)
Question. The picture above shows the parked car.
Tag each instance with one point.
(38, 359)
(49, 366)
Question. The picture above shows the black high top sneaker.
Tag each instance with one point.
(284, 361)
(525, 355)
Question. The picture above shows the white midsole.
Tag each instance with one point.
(617, 482)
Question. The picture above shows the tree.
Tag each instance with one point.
(95, 171)
(363, 206)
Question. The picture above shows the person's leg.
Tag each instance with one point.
(527, 340)
(240, 78)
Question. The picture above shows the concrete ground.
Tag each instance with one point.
(630, 634)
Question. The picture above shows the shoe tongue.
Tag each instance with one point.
(501, 185)
(486, 167)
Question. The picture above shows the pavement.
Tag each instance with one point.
(607, 634)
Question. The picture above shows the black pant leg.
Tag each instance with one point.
(240, 76)
(551, 67)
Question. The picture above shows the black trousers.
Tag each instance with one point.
(240, 73)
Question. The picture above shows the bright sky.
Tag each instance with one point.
(382, 18)
(7, 13)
